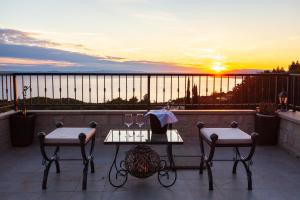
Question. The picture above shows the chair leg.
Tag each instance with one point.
(249, 175)
(92, 166)
(236, 162)
(57, 166)
(84, 176)
(210, 177)
(46, 173)
(201, 165)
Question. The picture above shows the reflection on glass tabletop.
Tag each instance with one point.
(117, 136)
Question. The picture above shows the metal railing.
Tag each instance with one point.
(145, 91)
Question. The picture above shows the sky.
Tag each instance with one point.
(149, 35)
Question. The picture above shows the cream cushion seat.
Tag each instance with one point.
(227, 135)
(68, 135)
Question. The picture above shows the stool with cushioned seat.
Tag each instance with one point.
(68, 136)
(226, 137)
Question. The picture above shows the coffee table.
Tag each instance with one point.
(118, 171)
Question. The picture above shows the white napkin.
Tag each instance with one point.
(164, 116)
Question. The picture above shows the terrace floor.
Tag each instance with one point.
(276, 175)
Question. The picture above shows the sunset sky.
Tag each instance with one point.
(197, 35)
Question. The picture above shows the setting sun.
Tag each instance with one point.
(218, 68)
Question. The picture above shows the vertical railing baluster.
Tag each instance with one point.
(185, 92)
(298, 93)
(82, 101)
(288, 85)
(15, 90)
(141, 84)
(214, 88)
(38, 88)
(45, 88)
(75, 89)
(294, 91)
(21, 88)
(90, 89)
(206, 86)
(178, 87)
(192, 84)
(10, 85)
(133, 86)
(220, 90)
(243, 91)
(171, 88)
(111, 88)
(248, 90)
(156, 85)
(68, 100)
(164, 88)
(52, 83)
(269, 89)
(276, 89)
(2, 87)
(30, 89)
(126, 95)
(227, 83)
(97, 87)
(236, 99)
(119, 88)
(104, 89)
(255, 89)
(6, 88)
(262, 89)
(199, 88)
(60, 89)
(149, 91)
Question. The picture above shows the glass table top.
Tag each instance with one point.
(117, 136)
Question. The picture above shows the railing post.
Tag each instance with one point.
(294, 95)
(15, 92)
(148, 92)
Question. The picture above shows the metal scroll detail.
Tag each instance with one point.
(141, 161)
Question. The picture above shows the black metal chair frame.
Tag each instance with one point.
(87, 159)
(212, 143)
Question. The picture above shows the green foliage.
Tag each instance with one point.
(294, 67)
(267, 108)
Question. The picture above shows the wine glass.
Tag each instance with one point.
(139, 120)
(128, 120)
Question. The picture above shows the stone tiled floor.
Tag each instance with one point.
(276, 175)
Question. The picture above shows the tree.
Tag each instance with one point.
(194, 94)
(294, 67)
(278, 70)
(188, 93)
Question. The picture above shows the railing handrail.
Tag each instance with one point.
(260, 87)
(145, 74)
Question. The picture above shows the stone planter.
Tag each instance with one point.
(267, 128)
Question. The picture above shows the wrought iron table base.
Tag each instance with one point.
(163, 172)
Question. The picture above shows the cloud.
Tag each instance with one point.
(21, 51)
(6, 61)
(10, 36)
(42, 59)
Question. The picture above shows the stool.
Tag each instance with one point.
(68, 136)
(226, 137)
